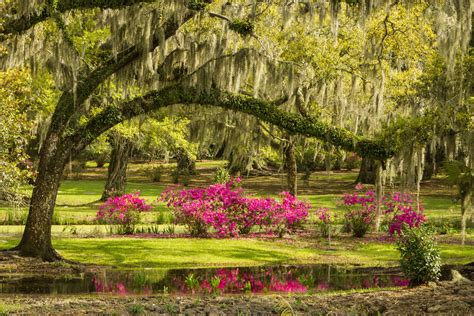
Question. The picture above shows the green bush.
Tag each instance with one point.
(419, 258)
(155, 173)
(222, 175)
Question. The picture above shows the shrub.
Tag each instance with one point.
(222, 176)
(360, 221)
(400, 210)
(122, 212)
(227, 209)
(360, 213)
(419, 259)
(155, 173)
(324, 222)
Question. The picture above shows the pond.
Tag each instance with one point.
(263, 279)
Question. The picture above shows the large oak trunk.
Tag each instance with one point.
(36, 240)
(367, 171)
(117, 171)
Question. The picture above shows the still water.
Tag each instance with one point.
(266, 279)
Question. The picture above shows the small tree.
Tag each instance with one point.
(462, 176)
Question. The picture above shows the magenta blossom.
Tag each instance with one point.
(226, 209)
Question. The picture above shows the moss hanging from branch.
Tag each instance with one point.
(21, 24)
(265, 111)
(242, 27)
(196, 5)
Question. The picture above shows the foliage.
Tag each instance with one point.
(400, 208)
(242, 27)
(325, 222)
(21, 100)
(360, 208)
(123, 212)
(420, 260)
(222, 175)
(99, 151)
(156, 173)
(460, 175)
(225, 208)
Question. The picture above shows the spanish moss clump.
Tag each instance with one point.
(196, 5)
(242, 27)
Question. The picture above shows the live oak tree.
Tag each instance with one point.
(185, 52)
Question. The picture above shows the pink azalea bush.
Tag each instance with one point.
(324, 221)
(227, 209)
(123, 212)
(361, 208)
(397, 208)
(400, 210)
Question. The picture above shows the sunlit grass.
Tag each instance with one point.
(200, 252)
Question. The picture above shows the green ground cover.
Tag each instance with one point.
(185, 252)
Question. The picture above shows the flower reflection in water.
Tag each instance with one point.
(244, 280)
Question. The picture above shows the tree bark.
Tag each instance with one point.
(367, 171)
(378, 194)
(117, 171)
(466, 205)
(186, 165)
(36, 240)
(290, 166)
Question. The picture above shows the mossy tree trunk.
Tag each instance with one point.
(117, 170)
(36, 239)
(367, 172)
(466, 206)
(64, 137)
(185, 166)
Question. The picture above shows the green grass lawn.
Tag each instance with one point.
(186, 252)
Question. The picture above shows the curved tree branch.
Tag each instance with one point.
(87, 85)
(24, 23)
(265, 111)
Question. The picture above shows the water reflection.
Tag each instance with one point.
(274, 279)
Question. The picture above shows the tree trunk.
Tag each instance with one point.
(328, 157)
(36, 240)
(117, 171)
(466, 205)
(367, 171)
(378, 194)
(290, 166)
(186, 166)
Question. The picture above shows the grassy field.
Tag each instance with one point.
(79, 238)
(128, 252)
(77, 199)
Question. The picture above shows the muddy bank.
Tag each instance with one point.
(443, 297)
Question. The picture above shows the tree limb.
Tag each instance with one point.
(24, 23)
(265, 111)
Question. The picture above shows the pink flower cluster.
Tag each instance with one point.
(323, 215)
(324, 221)
(398, 208)
(361, 208)
(234, 281)
(230, 212)
(119, 210)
